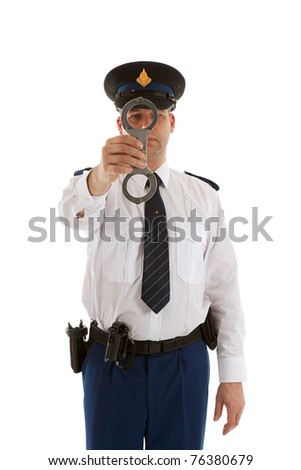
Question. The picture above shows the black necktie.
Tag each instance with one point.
(155, 281)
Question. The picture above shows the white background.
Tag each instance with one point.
(238, 123)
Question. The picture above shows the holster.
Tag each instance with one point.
(209, 334)
(78, 345)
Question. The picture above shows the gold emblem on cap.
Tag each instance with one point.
(143, 79)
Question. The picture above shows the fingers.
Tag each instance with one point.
(121, 154)
(218, 409)
(231, 396)
(233, 418)
(121, 163)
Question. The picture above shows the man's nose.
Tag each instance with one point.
(146, 121)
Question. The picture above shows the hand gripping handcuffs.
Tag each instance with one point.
(142, 135)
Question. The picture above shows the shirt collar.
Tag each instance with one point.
(162, 171)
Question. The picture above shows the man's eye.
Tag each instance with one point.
(135, 116)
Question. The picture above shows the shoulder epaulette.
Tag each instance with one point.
(80, 172)
(211, 183)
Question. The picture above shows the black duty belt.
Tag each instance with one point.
(150, 347)
(121, 349)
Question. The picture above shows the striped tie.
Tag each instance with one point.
(155, 281)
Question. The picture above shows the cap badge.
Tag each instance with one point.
(143, 79)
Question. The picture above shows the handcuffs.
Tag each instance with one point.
(117, 346)
(141, 134)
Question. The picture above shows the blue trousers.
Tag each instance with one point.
(161, 400)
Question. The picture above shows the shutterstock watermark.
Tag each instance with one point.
(121, 228)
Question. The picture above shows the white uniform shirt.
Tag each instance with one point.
(203, 270)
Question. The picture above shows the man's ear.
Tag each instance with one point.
(119, 125)
(172, 122)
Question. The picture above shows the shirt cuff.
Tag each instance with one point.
(232, 369)
(85, 198)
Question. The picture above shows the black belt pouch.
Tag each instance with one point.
(78, 345)
(208, 331)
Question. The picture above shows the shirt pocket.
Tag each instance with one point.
(190, 249)
(121, 256)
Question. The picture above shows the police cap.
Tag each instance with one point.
(160, 83)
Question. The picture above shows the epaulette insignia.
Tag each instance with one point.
(80, 172)
(211, 183)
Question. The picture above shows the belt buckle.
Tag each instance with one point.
(154, 347)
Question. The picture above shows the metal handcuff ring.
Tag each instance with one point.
(141, 134)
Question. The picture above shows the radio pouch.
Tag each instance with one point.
(208, 331)
(78, 345)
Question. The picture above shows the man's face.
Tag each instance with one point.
(159, 136)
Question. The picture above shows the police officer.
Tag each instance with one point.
(160, 401)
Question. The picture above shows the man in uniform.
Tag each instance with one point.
(159, 287)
